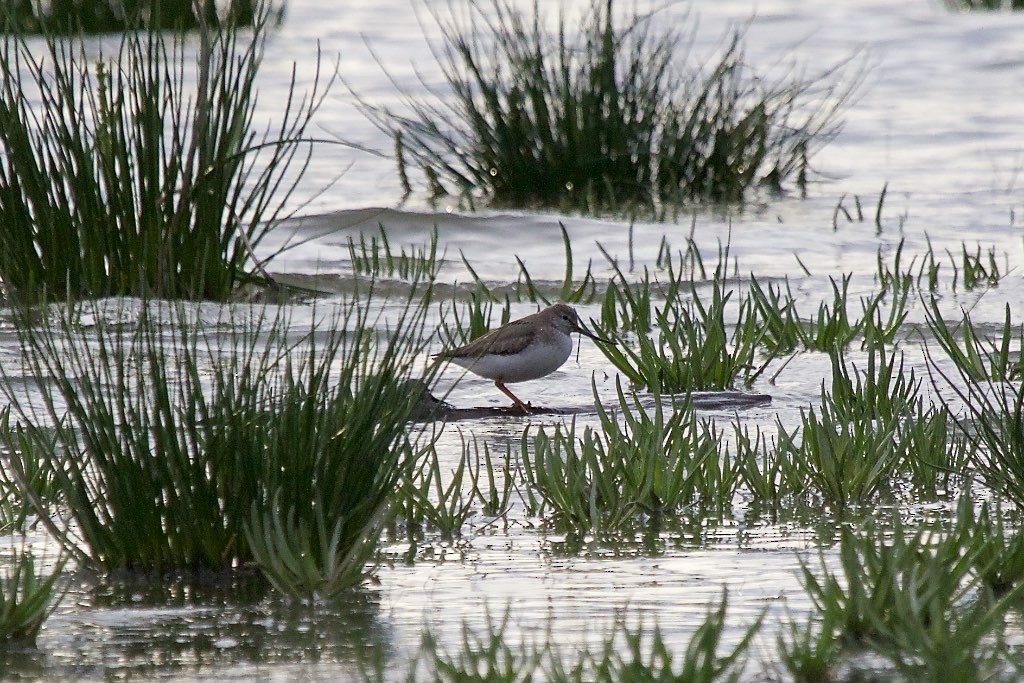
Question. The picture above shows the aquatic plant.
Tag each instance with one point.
(627, 652)
(981, 391)
(175, 445)
(119, 180)
(375, 258)
(570, 292)
(694, 349)
(858, 216)
(22, 482)
(922, 272)
(601, 118)
(26, 600)
(846, 459)
(461, 324)
(984, 5)
(808, 649)
(977, 358)
(974, 270)
(113, 16)
(999, 555)
(914, 599)
(430, 498)
(658, 461)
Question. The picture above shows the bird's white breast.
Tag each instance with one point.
(542, 357)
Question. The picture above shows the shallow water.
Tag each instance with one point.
(938, 119)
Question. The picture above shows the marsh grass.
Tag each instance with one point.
(375, 258)
(601, 118)
(695, 349)
(808, 650)
(441, 500)
(184, 446)
(112, 16)
(999, 560)
(119, 180)
(858, 216)
(978, 358)
(629, 649)
(921, 272)
(26, 600)
(461, 324)
(645, 462)
(573, 290)
(872, 426)
(845, 458)
(983, 390)
(914, 599)
(919, 599)
(17, 494)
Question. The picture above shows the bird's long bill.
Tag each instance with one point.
(587, 333)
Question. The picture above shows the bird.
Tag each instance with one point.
(521, 350)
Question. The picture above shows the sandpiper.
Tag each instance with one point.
(524, 349)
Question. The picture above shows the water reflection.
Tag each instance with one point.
(135, 627)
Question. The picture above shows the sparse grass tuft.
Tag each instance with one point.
(375, 258)
(626, 652)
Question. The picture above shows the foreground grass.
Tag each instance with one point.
(26, 600)
(173, 446)
(120, 177)
(600, 119)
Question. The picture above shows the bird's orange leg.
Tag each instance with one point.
(525, 407)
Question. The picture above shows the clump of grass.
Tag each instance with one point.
(478, 317)
(601, 118)
(978, 359)
(850, 448)
(116, 180)
(922, 272)
(914, 600)
(974, 270)
(569, 292)
(858, 214)
(984, 5)
(26, 600)
(432, 498)
(22, 482)
(110, 16)
(809, 650)
(695, 349)
(174, 445)
(657, 462)
(984, 391)
(846, 458)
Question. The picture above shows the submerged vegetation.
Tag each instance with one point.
(604, 119)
